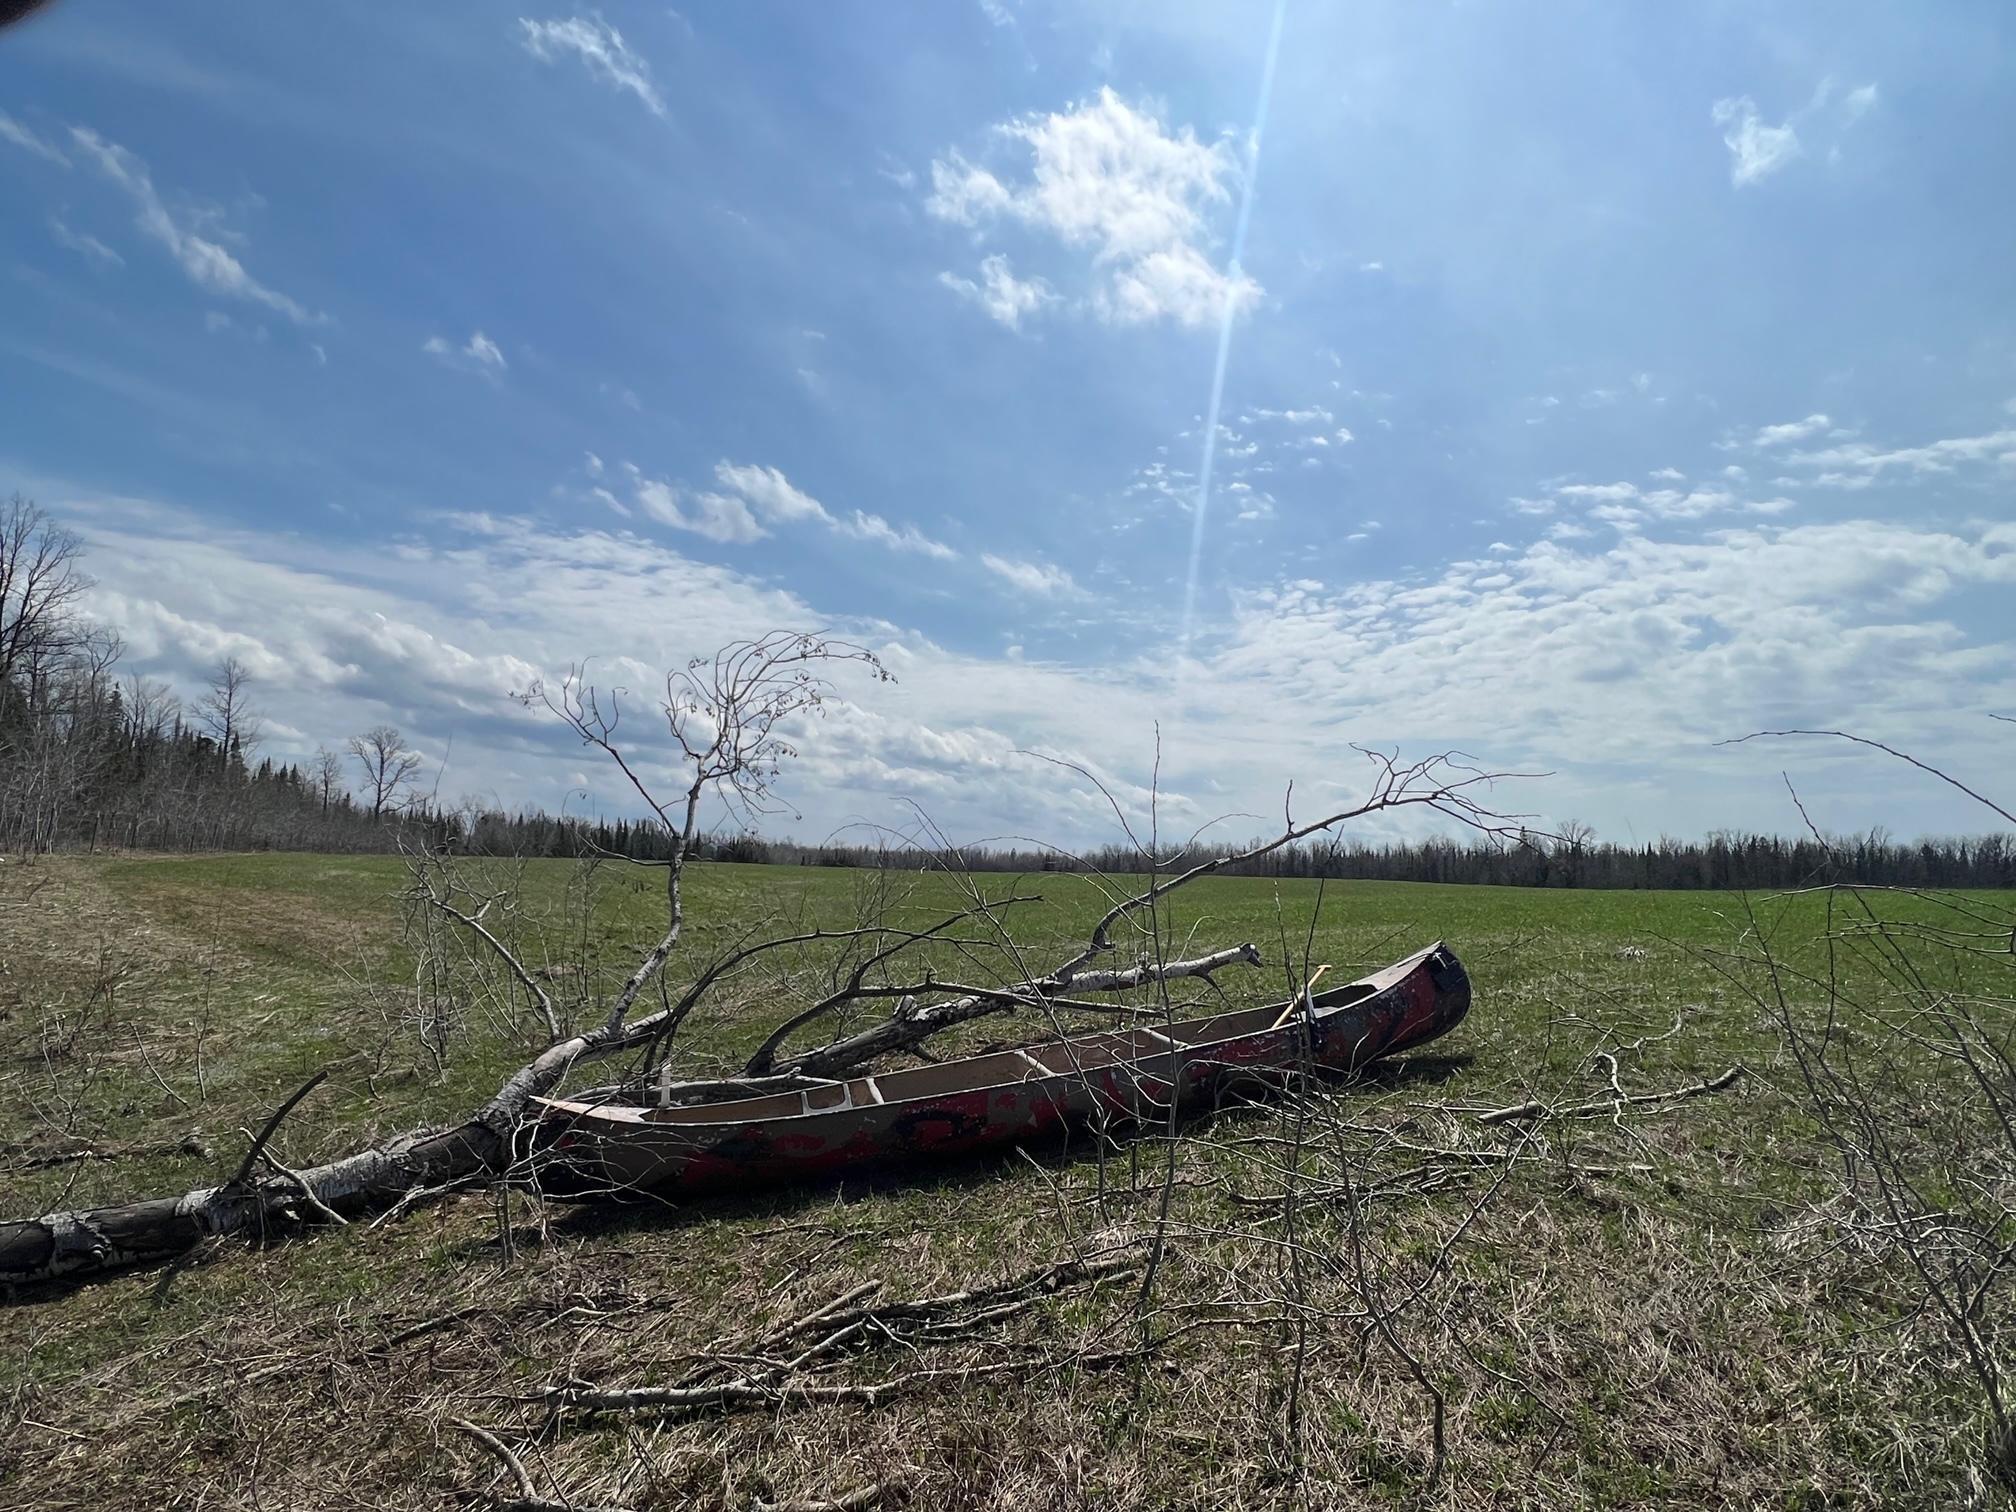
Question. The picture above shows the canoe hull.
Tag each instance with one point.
(1108, 1080)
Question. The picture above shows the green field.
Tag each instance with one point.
(1663, 1305)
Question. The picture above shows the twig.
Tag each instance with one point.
(527, 1500)
(1877, 745)
(272, 1126)
(1527, 1110)
(307, 1191)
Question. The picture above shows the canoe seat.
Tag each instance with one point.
(846, 1097)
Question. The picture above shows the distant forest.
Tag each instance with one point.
(91, 760)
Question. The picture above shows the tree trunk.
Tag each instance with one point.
(57, 1245)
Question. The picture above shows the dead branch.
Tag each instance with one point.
(759, 1378)
(272, 1126)
(473, 922)
(1877, 745)
(910, 1027)
(527, 1500)
(762, 1062)
(1533, 1110)
(751, 1393)
(1440, 783)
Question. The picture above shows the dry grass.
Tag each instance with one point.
(1671, 1304)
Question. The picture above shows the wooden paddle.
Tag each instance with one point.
(1307, 996)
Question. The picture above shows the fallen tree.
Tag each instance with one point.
(729, 718)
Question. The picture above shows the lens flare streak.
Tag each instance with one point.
(1226, 316)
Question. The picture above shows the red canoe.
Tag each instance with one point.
(1006, 1098)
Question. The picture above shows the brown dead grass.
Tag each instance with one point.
(1651, 1311)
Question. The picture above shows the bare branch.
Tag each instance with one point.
(418, 867)
(1438, 783)
(911, 1027)
(1877, 745)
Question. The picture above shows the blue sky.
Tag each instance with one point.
(1601, 382)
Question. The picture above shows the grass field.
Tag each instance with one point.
(1662, 1305)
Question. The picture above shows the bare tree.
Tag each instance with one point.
(390, 766)
(57, 697)
(226, 710)
(1572, 839)
(728, 716)
(325, 775)
(151, 707)
(41, 590)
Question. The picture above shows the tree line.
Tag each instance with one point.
(1536, 859)
(90, 759)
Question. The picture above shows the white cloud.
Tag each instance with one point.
(1000, 293)
(1640, 652)
(13, 131)
(771, 493)
(1625, 505)
(1107, 176)
(203, 260)
(1178, 283)
(752, 500)
(435, 635)
(872, 527)
(601, 49)
(716, 517)
(84, 244)
(1031, 577)
(1792, 430)
(478, 354)
(1756, 150)
(1857, 463)
(1615, 665)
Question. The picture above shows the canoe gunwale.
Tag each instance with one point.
(621, 1119)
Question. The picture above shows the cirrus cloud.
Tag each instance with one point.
(207, 264)
(601, 49)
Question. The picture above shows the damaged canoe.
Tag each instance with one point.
(1001, 1099)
